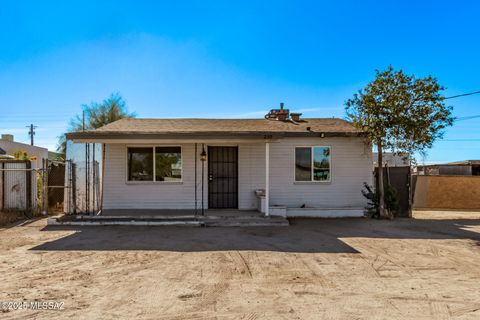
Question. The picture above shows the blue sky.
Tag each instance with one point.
(230, 59)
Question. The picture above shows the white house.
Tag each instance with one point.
(306, 167)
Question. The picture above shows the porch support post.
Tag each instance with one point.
(267, 179)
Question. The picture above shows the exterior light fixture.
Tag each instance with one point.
(203, 155)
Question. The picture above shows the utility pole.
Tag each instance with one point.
(31, 132)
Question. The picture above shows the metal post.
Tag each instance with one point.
(87, 178)
(94, 179)
(267, 179)
(203, 181)
(74, 187)
(3, 185)
(196, 155)
(102, 177)
(45, 186)
(28, 184)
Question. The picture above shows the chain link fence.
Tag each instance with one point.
(70, 186)
(86, 174)
(20, 187)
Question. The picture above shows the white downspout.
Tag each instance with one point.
(267, 179)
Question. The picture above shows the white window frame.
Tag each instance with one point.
(311, 164)
(154, 166)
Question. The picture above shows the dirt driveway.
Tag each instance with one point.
(421, 268)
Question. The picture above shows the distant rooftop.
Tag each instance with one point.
(455, 163)
(465, 162)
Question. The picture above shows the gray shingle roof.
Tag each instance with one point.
(215, 127)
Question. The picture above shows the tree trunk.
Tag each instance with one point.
(381, 189)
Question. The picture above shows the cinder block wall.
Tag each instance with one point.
(447, 192)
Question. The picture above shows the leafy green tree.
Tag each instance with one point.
(401, 113)
(96, 115)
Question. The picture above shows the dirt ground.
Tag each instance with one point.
(10, 217)
(422, 268)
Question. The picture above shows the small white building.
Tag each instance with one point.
(392, 160)
(10, 146)
(298, 167)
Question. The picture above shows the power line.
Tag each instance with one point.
(463, 95)
(465, 139)
(468, 117)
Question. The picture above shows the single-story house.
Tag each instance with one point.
(280, 164)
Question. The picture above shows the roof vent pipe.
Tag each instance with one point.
(295, 116)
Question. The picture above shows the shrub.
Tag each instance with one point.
(372, 208)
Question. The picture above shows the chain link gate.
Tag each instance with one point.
(20, 187)
(58, 186)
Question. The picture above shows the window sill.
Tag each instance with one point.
(154, 182)
(312, 182)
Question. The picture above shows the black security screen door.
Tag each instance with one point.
(222, 177)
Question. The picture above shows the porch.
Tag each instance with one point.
(163, 217)
(176, 213)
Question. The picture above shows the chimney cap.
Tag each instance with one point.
(295, 116)
(7, 137)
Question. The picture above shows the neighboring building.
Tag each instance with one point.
(4, 155)
(392, 160)
(9, 146)
(55, 156)
(457, 168)
(305, 167)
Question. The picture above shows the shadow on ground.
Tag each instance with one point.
(304, 235)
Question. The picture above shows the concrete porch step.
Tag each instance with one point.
(246, 222)
(122, 222)
(191, 221)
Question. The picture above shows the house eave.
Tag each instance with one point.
(95, 136)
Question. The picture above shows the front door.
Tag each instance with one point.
(222, 177)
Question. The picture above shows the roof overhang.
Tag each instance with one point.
(104, 137)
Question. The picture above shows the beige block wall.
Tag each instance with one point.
(447, 192)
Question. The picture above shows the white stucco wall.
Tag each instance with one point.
(351, 162)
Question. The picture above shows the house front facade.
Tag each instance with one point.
(302, 167)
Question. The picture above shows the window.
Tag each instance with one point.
(140, 164)
(165, 166)
(312, 164)
(168, 164)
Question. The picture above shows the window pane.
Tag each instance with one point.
(140, 164)
(303, 164)
(321, 163)
(168, 164)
